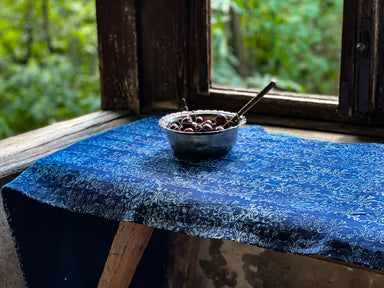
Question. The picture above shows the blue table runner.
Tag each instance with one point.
(274, 191)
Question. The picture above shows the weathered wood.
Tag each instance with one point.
(19, 152)
(126, 251)
(117, 37)
(200, 46)
(164, 49)
(347, 69)
(186, 254)
(380, 60)
(361, 74)
(365, 77)
(307, 107)
(272, 104)
(319, 135)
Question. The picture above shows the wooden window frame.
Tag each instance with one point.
(362, 63)
(159, 53)
(309, 111)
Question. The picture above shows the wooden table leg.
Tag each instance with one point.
(126, 251)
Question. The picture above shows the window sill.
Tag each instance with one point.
(18, 152)
(306, 111)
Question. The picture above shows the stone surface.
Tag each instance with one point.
(230, 264)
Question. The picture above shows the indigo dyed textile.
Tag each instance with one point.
(273, 191)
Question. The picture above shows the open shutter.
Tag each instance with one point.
(361, 74)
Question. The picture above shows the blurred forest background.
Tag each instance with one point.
(49, 61)
(297, 42)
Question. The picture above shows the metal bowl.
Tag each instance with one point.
(201, 143)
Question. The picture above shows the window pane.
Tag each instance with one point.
(48, 63)
(296, 42)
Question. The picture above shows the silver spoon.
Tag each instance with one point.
(251, 103)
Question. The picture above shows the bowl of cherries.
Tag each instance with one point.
(207, 132)
(202, 132)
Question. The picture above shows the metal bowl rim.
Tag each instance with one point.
(165, 120)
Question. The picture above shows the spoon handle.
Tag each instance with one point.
(253, 101)
(256, 99)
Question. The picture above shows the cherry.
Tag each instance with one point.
(210, 122)
(207, 127)
(174, 126)
(221, 119)
(192, 123)
(186, 121)
(199, 128)
(199, 119)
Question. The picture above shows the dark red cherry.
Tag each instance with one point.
(207, 127)
(221, 119)
(174, 126)
(189, 130)
(199, 128)
(199, 119)
(186, 120)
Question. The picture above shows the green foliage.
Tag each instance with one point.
(297, 42)
(48, 63)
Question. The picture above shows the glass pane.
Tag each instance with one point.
(297, 43)
(48, 63)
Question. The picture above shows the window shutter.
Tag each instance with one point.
(361, 71)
